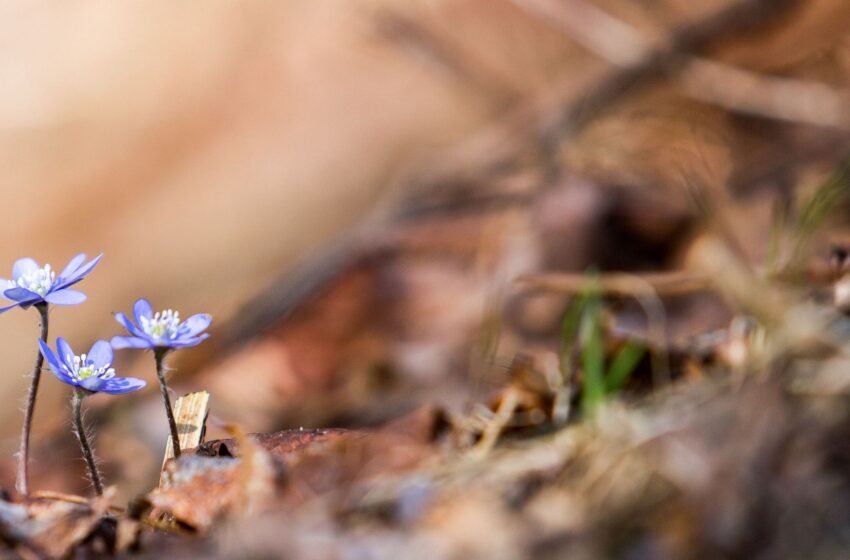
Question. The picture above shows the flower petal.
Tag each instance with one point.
(48, 354)
(196, 324)
(187, 342)
(24, 266)
(72, 266)
(64, 377)
(92, 383)
(65, 297)
(56, 366)
(100, 354)
(142, 308)
(122, 342)
(121, 385)
(21, 295)
(8, 307)
(65, 352)
(78, 274)
(125, 322)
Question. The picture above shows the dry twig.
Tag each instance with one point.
(735, 89)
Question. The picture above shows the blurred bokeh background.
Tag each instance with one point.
(351, 187)
(204, 151)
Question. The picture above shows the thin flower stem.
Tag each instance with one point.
(159, 354)
(22, 477)
(88, 454)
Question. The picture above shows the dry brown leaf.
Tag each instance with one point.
(201, 490)
(51, 527)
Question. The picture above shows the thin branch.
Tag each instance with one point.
(734, 89)
(785, 99)
(593, 28)
(621, 284)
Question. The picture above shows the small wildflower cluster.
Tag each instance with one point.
(92, 372)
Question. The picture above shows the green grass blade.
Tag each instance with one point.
(623, 365)
(593, 357)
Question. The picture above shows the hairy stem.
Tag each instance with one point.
(22, 477)
(88, 454)
(159, 354)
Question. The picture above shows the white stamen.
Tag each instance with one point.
(162, 326)
(38, 281)
(83, 368)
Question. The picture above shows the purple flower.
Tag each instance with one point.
(160, 330)
(90, 372)
(32, 284)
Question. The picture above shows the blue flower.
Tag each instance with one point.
(32, 284)
(162, 330)
(90, 372)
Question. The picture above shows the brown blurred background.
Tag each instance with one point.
(204, 149)
(207, 149)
